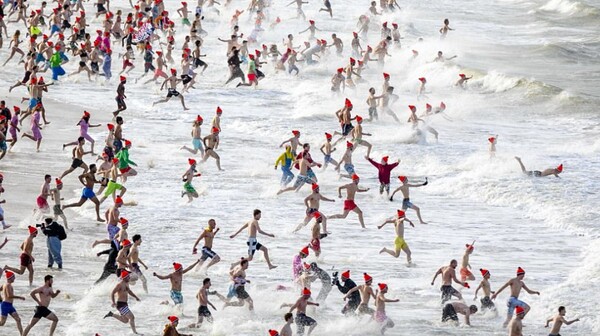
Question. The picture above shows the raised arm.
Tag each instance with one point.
(238, 231)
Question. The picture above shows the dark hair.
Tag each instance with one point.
(92, 166)
(205, 281)
(305, 145)
(47, 176)
(473, 308)
(244, 261)
(119, 120)
(561, 308)
(288, 316)
(80, 139)
(48, 220)
(48, 277)
(256, 212)
(136, 237)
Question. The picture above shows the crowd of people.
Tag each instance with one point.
(58, 38)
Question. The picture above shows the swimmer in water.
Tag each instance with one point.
(537, 173)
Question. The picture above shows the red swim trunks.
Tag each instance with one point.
(124, 170)
(251, 77)
(42, 203)
(315, 244)
(25, 260)
(349, 205)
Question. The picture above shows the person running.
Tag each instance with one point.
(196, 137)
(516, 284)
(558, 320)
(78, 154)
(380, 315)
(312, 203)
(537, 173)
(172, 90)
(515, 328)
(451, 311)
(124, 162)
(44, 295)
(134, 261)
(349, 204)
(326, 284)
(349, 284)
(122, 292)
(303, 163)
(211, 142)
(486, 302)
(6, 306)
(237, 274)
(448, 275)
(327, 148)
(88, 180)
(111, 182)
(286, 159)
(26, 257)
(208, 235)
(203, 304)
(253, 244)
(187, 177)
(404, 188)
(120, 99)
(57, 209)
(465, 273)
(302, 320)
(171, 327)
(176, 278)
(84, 125)
(286, 330)
(384, 172)
(399, 243)
(366, 293)
(294, 142)
(42, 199)
(357, 134)
(493, 141)
(347, 161)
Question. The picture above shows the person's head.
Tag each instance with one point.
(403, 179)
(48, 279)
(92, 168)
(520, 273)
(212, 224)
(137, 239)
(174, 320)
(304, 252)
(81, 140)
(10, 276)
(440, 53)
(383, 288)
(47, 178)
(257, 214)
(198, 43)
(48, 220)
(119, 120)
(177, 267)
(562, 311)
(355, 178)
(446, 21)
(520, 312)
(390, 89)
(372, 90)
(288, 148)
(290, 36)
(453, 263)
(244, 263)
(485, 273)
(306, 147)
(288, 317)
(473, 309)
(333, 35)
(384, 160)
(206, 283)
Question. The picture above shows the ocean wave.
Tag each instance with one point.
(571, 8)
(495, 82)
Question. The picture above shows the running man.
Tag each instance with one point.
(399, 244)
(122, 292)
(135, 261)
(176, 278)
(347, 160)
(465, 273)
(78, 154)
(26, 257)
(486, 302)
(354, 298)
(196, 137)
(366, 292)
(537, 173)
(302, 320)
(203, 304)
(384, 172)
(516, 284)
(172, 90)
(312, 203)
(111, 182)
(448, 274)
(493, 141)
(55, 194)
(237, 274)
(558, 321)
(121, 106)
(124, 162)
(187, 177)
(450, 311)
(44, 295)
(404, 188)
(6, 306)
(208, 235)
(327, 149)
(211, 142)
(380, 315)
(253, 244)
(349, 204)
(515, 328)
(294, 142)
(88, 180)
(286, 159)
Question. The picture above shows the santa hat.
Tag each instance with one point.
(355, 34)
(349, 144)
(296, 132)
(369, 48)
(315, 186)
(311, 22)
(123, 221)
(560, 168)
(367, 277)
(273, 332)
(328, 136)
(317, 215)
(306, 292)
(385, 24)
(173, 319)
(16, 108)
(412, 107)
(386, 75)
(415, 53)
(469, 247)
(484, 272)
(118, 200)
(177, 266)
(32, 229)
(346, 275)
(251, 56)
(520, 271)
(9, 275)
(86, 114)
(304, 250)
(385, 159)
(422, 79)
(199, 118)
(395, 25)
(115, 160)
(355, 177)
(125, 274)
(348, 103)
(58, 182)
(492, 139)
(158, 52)
(352, 60)
(519, 310)
(306, 266)
(191, 162)
(340, 70)
(127, 143)
(400, 213)
(173, 71)
(402, 178)
(122, 78)
(462, 75)
(382, 286)
(219, 110)
(215, 130)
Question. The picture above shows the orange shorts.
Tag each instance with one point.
(465, 273)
